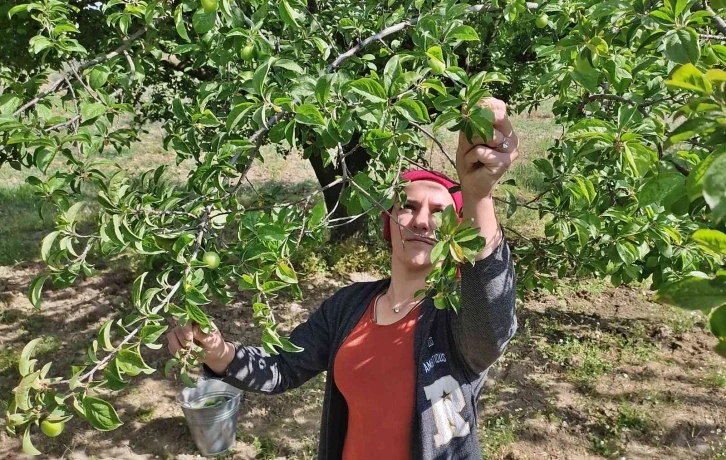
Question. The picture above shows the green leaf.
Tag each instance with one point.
(195, 296)
(694, 181)
(369, 89)
(197, 315)
(36, 288)
(627, 251)
(204, 21)
(90, 111)
(22, 391)
(658, 188)
(694, 293)
(323, 46)
(412, 110)
(711, 239)
(104, 335)
(438, 251)
(585, 75)
(259, 79)
(286, 273)
(136, 289)
(25, 364)
(98, 77)
(717, 322)
(288, 14)
(714, 187)
(466, 33)
(130, 362)
(47, 245)
(445, 118)
(272, 286)
(28, 447)
(186, 379)
(100, 414)
(681, 45)
(237, 114)
(289, 346)
(481, 121)
(169, 366)
(150, 333)
(17, 9)
(512, 203)
(435, 52)
(689, 77)
(316, 215)
(44, 157)
(309, 114)
(322, 88)
(290, 65)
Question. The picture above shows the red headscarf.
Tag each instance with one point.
(432, 176)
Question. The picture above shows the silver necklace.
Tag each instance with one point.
(395, 309)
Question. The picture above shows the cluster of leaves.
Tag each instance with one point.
(459, 242)
(640, 94)
(699, 292)
(328, 78)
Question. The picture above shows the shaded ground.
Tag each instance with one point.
(594, 372)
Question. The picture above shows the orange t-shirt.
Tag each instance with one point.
(375, 372)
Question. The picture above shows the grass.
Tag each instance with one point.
(144, 415)
(716, 379)
(497, 433)
(585, 360)
(22, 228)
(266, 448)
(611, 432)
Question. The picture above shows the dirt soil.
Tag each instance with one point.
(594, 372)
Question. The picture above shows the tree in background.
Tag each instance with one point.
(361, 89)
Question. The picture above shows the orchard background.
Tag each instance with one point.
(138, 138)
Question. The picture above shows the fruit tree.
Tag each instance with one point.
(634, 188)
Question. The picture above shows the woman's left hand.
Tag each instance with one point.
(481, 164)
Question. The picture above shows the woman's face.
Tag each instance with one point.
(413, 237)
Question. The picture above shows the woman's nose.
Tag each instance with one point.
(422, 220)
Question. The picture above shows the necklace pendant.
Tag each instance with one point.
(396, 309)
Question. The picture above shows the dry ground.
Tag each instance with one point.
(594, 372)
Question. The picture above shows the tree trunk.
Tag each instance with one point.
(356, 162)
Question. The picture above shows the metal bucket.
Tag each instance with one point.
(211, 411)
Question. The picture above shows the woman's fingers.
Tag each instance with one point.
(491, 159)
(174, 344)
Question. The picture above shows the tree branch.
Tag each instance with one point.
(610, 97)
(712, 37)
(105, 57)
(718, 21)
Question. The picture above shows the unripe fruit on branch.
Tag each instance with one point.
(210, 5)
(52, 429)
(211, 258)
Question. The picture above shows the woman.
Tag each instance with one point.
(379, 402)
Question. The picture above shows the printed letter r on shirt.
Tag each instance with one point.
(447, 401)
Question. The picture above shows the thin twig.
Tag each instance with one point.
(129, 336)
(89, 90)
(436, 141)
(105, 57)
(75, 103)
(712, 37)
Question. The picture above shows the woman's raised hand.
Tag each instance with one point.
(218, 353)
